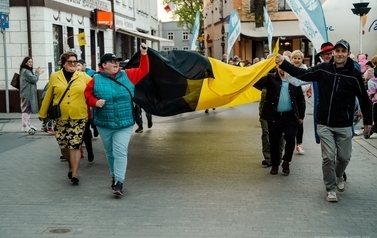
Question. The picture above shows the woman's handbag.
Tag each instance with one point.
(15, 81)
(53, 111)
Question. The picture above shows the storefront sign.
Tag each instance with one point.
(86, 4)
(124, 23)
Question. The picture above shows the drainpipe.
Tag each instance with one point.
(113, 27)
(28, 20)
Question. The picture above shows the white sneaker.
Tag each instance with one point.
(25, 129)
(331, 197)
(340, 184)
(300, 150)
(32, 127)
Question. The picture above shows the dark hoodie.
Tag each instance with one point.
(337, 88)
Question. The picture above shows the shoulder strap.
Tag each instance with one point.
(116, 81)
(61, 99)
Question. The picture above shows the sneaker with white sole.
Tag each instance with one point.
(331, 197)
(25, 129)
(300, 150)
(340, 184)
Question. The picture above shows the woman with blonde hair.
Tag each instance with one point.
(297, 58)
(70, 125)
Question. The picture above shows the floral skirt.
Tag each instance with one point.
(69, 133)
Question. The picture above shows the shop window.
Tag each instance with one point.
(285, 45)
(283, 5)
(70, 38)
(57, 32)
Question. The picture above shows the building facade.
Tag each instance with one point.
(45, 29)
(179, 35)
(252, 41)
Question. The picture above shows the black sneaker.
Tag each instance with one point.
(90, 156)
(139, 130)
(118, 189)
(206, 111)
(150, 123)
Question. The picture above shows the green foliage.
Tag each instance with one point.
(185, 11)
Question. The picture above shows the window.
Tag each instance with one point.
(185, 48)
(170, 35)
(166, 49)
(175, 48)
(185, 35)
(283, 6)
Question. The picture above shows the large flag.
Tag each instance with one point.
(186, 81)
(195, 31)
(269, 28)
(234, 30)
(312, 20)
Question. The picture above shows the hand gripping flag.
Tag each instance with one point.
(186, 81)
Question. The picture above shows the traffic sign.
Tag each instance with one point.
(4, 20)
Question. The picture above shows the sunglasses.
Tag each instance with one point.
(72, 61)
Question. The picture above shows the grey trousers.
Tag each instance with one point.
(336, 147)
(266, 140)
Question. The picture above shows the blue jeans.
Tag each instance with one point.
(115, 142)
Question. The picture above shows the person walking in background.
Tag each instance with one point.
(88, 71)
(139, 119)
(284, 110)
(110, 93)
(297, 58)
(28, 91)
(338, 85)
(70, 126)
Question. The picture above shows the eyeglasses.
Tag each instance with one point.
(72, 61)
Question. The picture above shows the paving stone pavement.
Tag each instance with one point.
(190, 175)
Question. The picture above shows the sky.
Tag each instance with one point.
(162, 14)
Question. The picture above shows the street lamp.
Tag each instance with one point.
(361, 9)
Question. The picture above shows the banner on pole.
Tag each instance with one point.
(311, 20)
(195, 31)
(234, 30)
(269, 28)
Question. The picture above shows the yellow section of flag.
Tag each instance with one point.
(232, 83)
(276, 47)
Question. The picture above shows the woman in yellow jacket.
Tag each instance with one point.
(70, 125)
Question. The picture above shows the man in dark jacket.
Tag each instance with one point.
(338, 84)
(283, 109)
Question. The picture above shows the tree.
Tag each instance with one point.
(185, 11)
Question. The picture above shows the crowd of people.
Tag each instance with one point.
(342, 86)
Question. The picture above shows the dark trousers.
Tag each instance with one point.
(87, 137)
(300, 133)
(287, 124)
(138, 117)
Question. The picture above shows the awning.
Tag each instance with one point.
(281, 28)
(162, 41)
